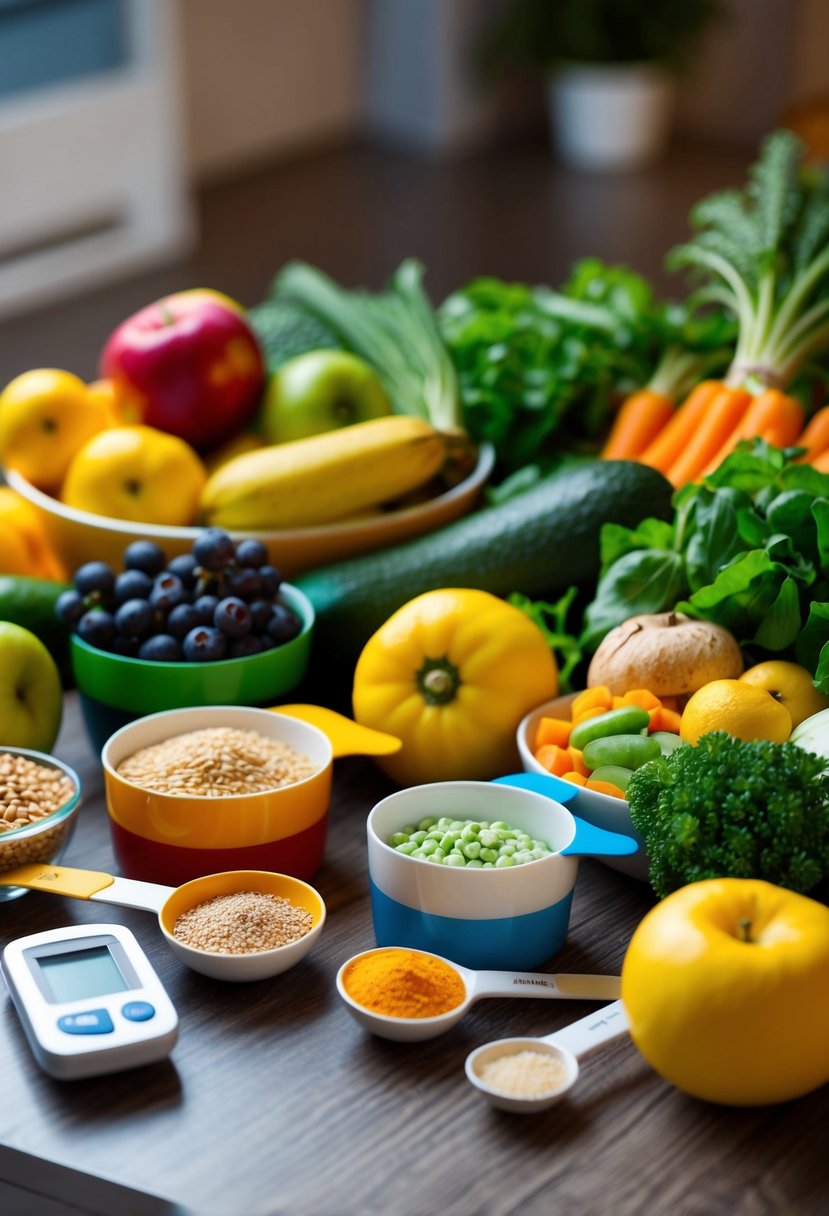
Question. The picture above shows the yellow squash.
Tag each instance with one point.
(324, 478)
(452, 673)
(726, 987)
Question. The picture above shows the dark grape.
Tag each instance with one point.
(251, 553)
(98, 629)
(132, 585)
(168, 592)
(260, 611)
(271, 581)
(206, 606)
(184, 567)
(182, 619)
(95, 577)
(135, 619)
(233, 617)
(213, 549)
(69, 607)
(204, 644)
(126, 647)
(241, 648)
(246, 583)
(146, 556)
(284, 624)
(162, 648)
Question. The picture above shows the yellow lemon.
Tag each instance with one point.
(136, 473)
(739, 708)
(46, 416)
(791, 685)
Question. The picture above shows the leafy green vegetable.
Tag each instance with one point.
(551, 619)
(748, 549)
(394, 330)
(729, 809)
(284, 331)
(763, 253)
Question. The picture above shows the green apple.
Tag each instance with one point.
(320, 391)
(31, 698)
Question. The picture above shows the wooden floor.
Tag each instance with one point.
(357, 213)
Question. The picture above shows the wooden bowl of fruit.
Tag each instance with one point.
(596, 740)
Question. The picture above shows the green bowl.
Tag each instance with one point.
(116, 690)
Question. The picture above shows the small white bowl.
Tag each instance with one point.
(602, 810)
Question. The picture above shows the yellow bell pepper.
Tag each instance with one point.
(452, 673)
(726, 988)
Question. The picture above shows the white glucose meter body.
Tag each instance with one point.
(89, 1000)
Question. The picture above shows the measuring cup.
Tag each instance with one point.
(567, 1046)
(171, 838)
(171, 902)
(478, 984)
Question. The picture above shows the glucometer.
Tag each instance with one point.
(89, 1000)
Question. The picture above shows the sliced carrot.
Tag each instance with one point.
(577, 764)
(821, 462)
(591, 698)
(618, 702)
(553, 730)
(576, 778)
(585, 714)
(641, 697)
(719, 420)
(664, 719)
(640, 419)
(675, 435)
(670, 703)
(604, 787)
(815, 435)
(771, 415)
(555, 759)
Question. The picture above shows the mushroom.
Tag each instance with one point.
(668, 653)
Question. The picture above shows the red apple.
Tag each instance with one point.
(188, 364)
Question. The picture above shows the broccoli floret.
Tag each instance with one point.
(727, 808)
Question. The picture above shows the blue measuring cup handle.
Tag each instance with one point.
(539, 783)
(590, 841)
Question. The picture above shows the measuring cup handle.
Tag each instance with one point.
(590, 841)
(539, 783)
(515, 983)
(600, 1027)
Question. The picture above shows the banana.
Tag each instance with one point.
(322, 479)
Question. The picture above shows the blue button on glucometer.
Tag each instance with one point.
(138, 1011)
(91, 1021)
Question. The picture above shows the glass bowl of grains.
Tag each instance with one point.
(39, 801)
(197, 791)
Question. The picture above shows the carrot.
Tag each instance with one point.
(821, 462)
(592, 698)
(772, 415)
(577, 764)
(642, 697)
(672, 439)
(640, 419)
(576, 778)
(664, 719)
(815, 436)
(604, 787)
(552, 731)
(722, 415)
(556, 760)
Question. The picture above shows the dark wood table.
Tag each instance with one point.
(275, 1101)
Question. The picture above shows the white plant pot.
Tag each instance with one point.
(610, 116)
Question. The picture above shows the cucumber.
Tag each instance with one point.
(539, 543)
(30, 602)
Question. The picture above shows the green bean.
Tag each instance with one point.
(628, 720)
(626, 751)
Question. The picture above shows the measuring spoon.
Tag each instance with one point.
(478, 984)
(171, 902)
(566, 1046)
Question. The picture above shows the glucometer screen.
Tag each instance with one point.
(80, 974)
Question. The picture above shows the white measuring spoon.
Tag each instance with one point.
(478, 984)
(566, 1046)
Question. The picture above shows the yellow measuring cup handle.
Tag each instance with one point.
(347, 738)
(60, 880)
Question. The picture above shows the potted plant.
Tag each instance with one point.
(609, 68)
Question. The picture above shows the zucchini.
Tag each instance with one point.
(539, 543)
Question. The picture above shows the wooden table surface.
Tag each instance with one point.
(275, 1101)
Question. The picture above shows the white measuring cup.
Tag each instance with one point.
(478, 984)
(567, 1046)
(170, 902)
